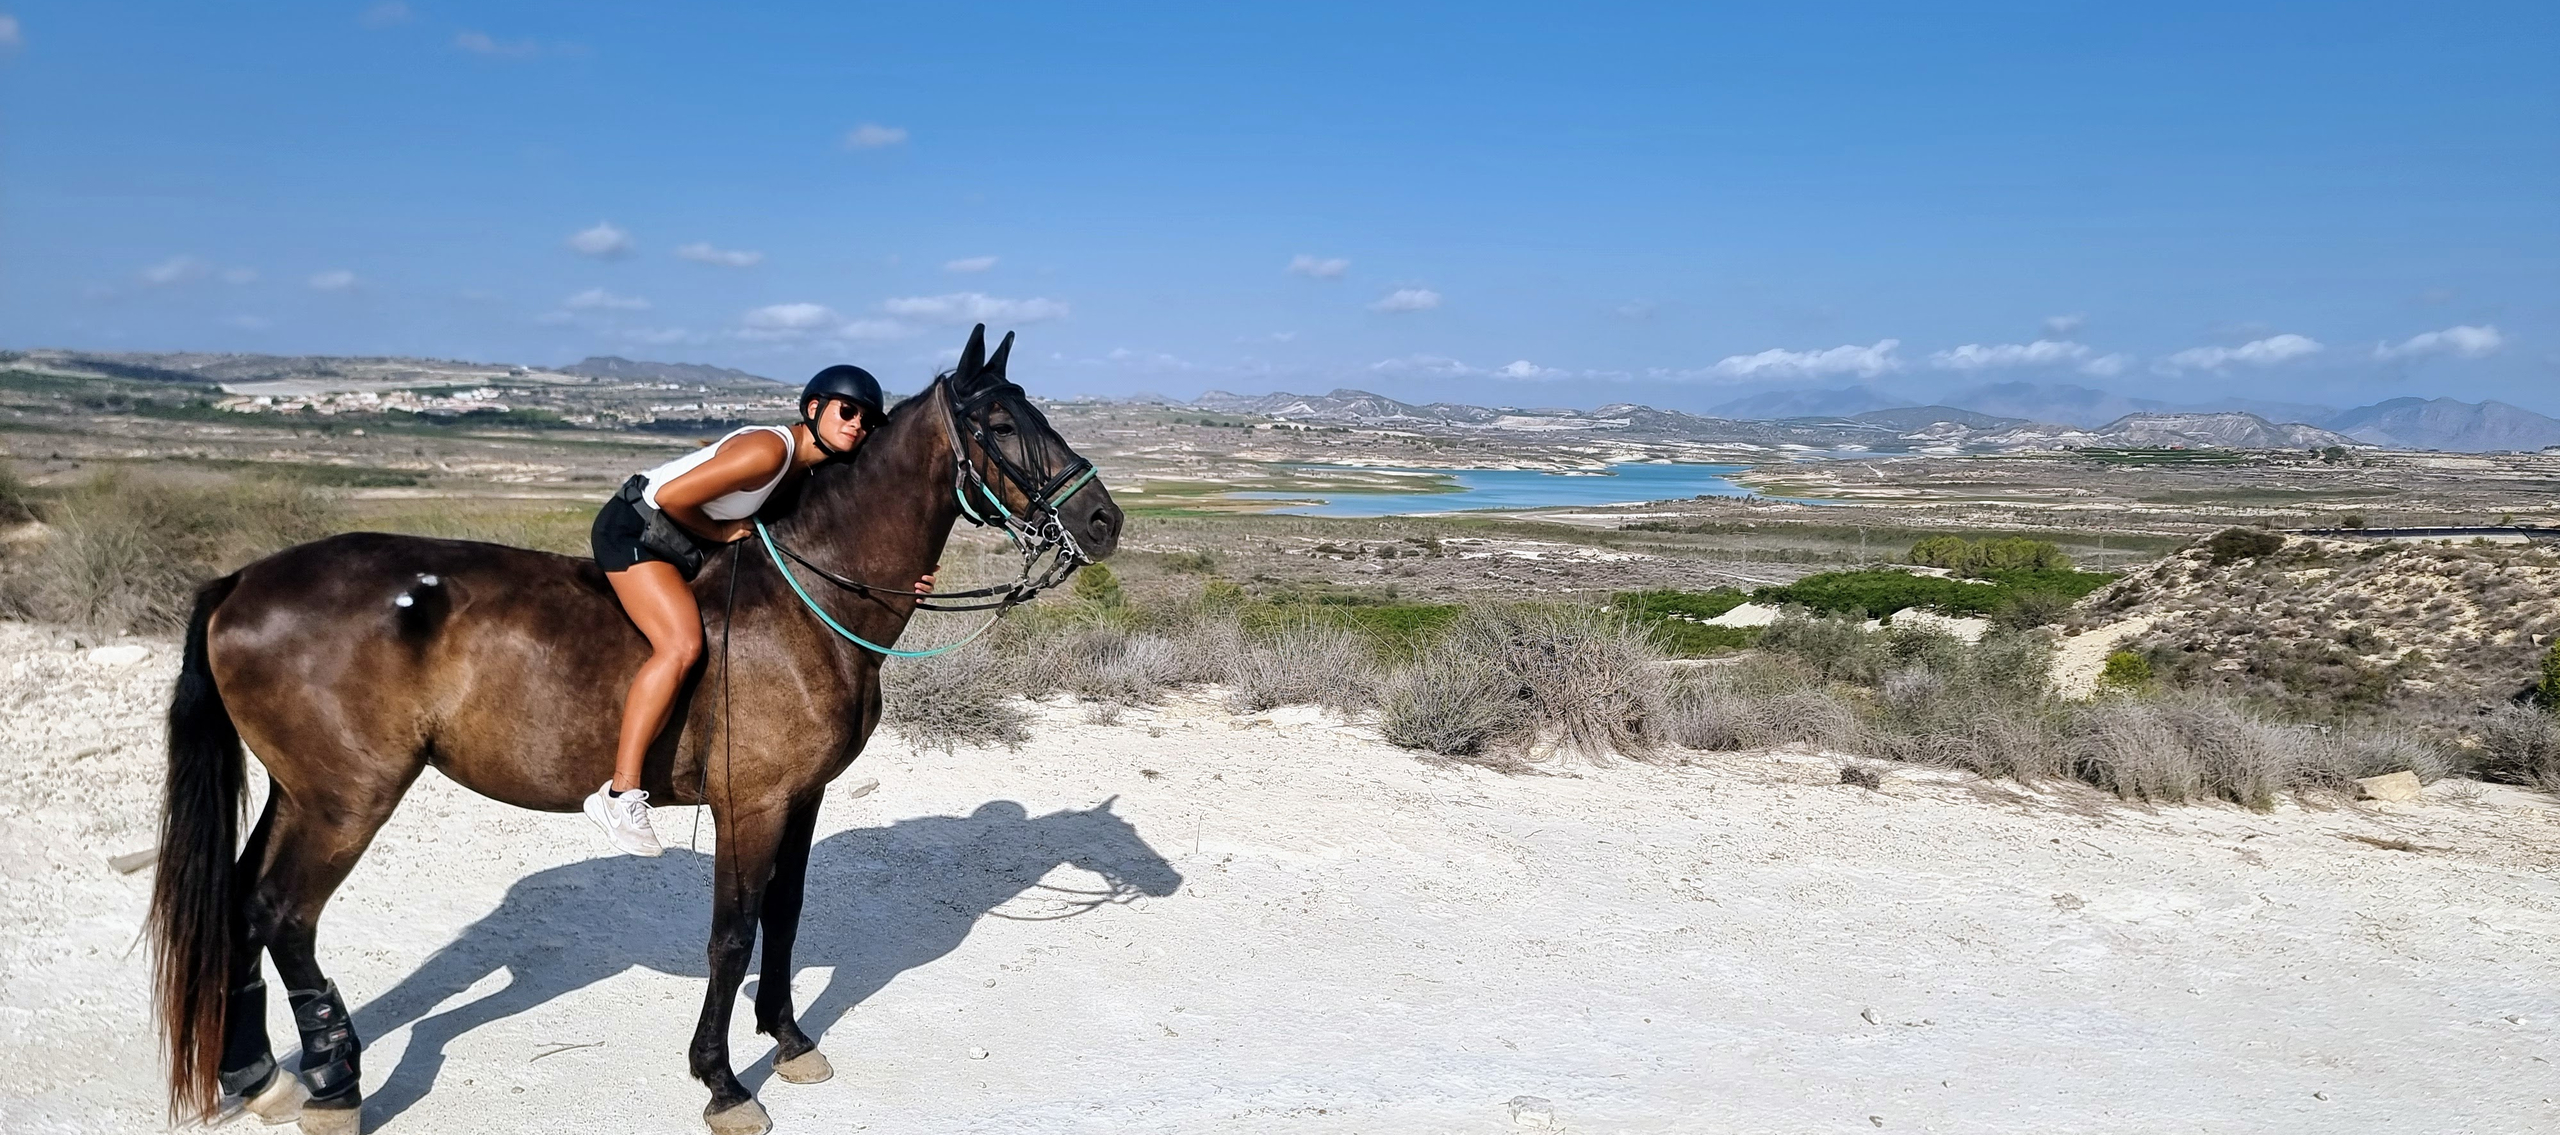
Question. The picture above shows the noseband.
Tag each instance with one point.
(1039, 536)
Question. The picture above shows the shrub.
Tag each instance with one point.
(1450, 704)
(1586, 678)
(2520, 745)
(1324, 666)
(1990, 556)
(1097, 586)
(2231, 545)
(2546, 690)
(950, 700)
(127, 550)
(17, 502)
(2125, 670)
(1834, 648)
(2025, 610)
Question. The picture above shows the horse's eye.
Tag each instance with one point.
(1001, 429)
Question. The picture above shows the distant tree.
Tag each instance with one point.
(1096, 585)
(1983, 558)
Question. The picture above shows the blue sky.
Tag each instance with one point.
(1564, 205)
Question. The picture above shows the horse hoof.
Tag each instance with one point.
(745, 1119)
(809, 1067)
(278, 1102)
(332, 1120)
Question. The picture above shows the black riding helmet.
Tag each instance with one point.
(849, 383)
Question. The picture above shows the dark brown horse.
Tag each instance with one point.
(349, 665)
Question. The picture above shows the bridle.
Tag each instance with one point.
(1050, 554)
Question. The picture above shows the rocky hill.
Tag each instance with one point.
(2430, 632)
(2443, 423)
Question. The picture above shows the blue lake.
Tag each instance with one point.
(1524, 488)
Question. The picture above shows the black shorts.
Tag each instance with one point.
(620, 538)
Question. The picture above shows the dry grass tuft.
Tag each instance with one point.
(950, 700)
(126, 550)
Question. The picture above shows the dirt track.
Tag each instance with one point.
(1349, 940)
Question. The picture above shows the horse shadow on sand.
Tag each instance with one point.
(881, 901)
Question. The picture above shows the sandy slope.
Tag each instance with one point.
(1359, 942)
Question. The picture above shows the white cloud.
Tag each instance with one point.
(2257, 352)
(815, 321)
(1438, 365)
(659, 336)
(1865, 362)
(974, 307)
(2061, 326)
(2466, 341)
(969, 264)
(1151, 361)
(791, 317)
(1523, 368)
(701, 252)
(872, 136)
(1639, 310)
(481, 43)
(386, 13)
(604, 242)
(1407, 299)
(598, 299)
(333, 280)
(236, 276)
(11, 38)
(1321, 268)
(1999, 356)
(175, 270)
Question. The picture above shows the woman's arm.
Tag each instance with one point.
(744, 462)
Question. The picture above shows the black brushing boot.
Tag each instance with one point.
(330, 1068)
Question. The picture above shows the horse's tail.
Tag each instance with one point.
(193, 910)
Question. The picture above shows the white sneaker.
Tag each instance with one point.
(625, 820)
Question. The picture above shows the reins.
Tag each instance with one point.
(1042, 535)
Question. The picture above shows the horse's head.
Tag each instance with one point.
(1024, 461)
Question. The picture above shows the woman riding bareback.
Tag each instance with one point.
(652, 537)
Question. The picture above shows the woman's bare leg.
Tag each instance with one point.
(660, 602)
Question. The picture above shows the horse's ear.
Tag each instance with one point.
(972, 358)
(995, 362)
(1105, 806)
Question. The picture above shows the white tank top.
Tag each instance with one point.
(732, 506)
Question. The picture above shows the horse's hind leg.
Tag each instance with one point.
(312, 850)
(249, 1070)
(795, 1057)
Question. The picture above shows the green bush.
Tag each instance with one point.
(2231, 545)
(2546, 692)
(1989, 556)
(1673, 617)
(1097, 586)
(2125, 670)
(1877, 594)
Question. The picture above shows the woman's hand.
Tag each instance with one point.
(732, 531)
(925, 586)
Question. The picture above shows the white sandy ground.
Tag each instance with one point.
(1358, 942)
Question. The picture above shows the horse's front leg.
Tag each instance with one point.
(795, 1057)
(749, 838)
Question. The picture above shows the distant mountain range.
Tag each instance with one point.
(1909, 427)
(631, 370)
(2011, 415)
(2401, 423)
